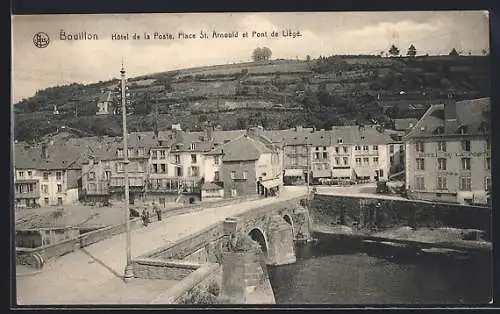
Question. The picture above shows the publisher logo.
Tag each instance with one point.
(41, 40)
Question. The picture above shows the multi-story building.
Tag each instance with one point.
(250, 166)
(448, 153)
(46, 174)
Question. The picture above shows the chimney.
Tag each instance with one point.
(450, 113)
(45, 151)
(450, 108)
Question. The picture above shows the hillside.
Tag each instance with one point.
(276, 94)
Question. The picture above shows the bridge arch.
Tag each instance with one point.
(289, 220)
(260, 237)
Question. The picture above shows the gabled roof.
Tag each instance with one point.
(404, 124)
(244, 148)
(469, 113)
(300, 137)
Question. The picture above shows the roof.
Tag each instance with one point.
(404, 124)
(186, 139)
(244, 148)
(211, 186)
(300, 136)
(470, 113)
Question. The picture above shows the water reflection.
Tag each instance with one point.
(342, 272)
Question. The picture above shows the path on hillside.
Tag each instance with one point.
(93, 274)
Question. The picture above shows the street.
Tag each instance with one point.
(94, 274)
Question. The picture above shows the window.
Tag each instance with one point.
(464, 130)
(317, 148)
(487, 163)
(375, 147)
(119, 167)
(381, 173)
(45, 188)
(337, 149)
(391, 149)
(375, 160)
(163, 168)
(325, 155)
(442, 146)
(140, 152)
(193, 158)
(21, 174)
(488, 144)
(337, 160)
(92, 187)
(58, 175)
(178, 171)
(391, 159)
(365, 147)
(140, 167)
(155, 168)
(420, 164)
(465, 163)
(346, 160)
(358, 161)
(162, 154)
(245, 174)
(216, 176)
(420, 147)
(119, 152)
(30, 173)
(345, 149)
(46, 201)
(419, 183)
(465, 183)
(441, 163)
(487, 183)
(401, 148)
(91, 175)
(357, 147)
(324, 147)
(195, 172)
(441, 183)
(46, 176)
(30, 188)
(233, 175)
(59, 188)
(316, 155)
(59, 201)
(193, 146)
(465, 145)
(130, 152)
(366, 160)
(177, 159)
(107, 174)
(339, 141)
(154, 154)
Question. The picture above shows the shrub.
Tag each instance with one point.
(197, 296)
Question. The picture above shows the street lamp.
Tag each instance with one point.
(129, 274)
(308, 163)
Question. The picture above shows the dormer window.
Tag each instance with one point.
(119, 152)
(177, 147)
(193, 146)
(439, 130)
(339, 141)
(463, 130)
(484, 128)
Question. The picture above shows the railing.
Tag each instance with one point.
(37, 257)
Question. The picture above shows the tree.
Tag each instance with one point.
(412, 51)
(454, 52)
(261, 54)
(394, 51)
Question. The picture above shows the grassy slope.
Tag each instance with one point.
(213, 88)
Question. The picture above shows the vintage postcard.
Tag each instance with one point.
(331, 158)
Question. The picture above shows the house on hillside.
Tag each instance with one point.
(448, 153)
(105, 103)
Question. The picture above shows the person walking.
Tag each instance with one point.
(144, 217)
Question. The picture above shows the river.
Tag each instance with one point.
(325, 274)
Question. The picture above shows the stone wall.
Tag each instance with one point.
(149, 268)
(329, 209)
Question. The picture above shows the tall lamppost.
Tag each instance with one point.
(129, 274)
(308, 163)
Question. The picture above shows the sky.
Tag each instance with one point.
(325, 33)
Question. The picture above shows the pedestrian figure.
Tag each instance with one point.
(144, 217)
(158, 213)
(148, 217)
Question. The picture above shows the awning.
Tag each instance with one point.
(364, 172)
(346, 172)
(271, 183)
(322, 174)
(294, 172)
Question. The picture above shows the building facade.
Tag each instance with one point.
(449, 153)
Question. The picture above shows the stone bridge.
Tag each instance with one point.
(275, 228)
